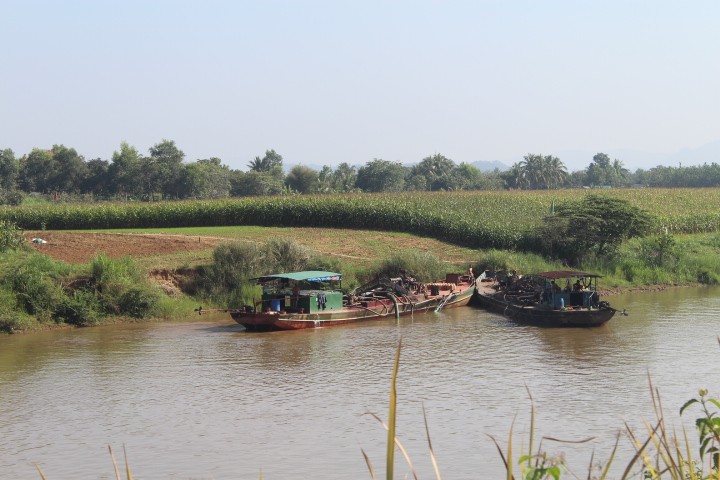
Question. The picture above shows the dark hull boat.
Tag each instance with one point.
(541, 300)
(300, 300)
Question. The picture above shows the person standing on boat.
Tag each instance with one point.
(470, 274)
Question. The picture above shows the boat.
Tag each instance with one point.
(548, 299)
(312, 299)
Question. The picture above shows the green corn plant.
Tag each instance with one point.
(708, 428)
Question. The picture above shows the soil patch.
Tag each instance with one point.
(82, 247)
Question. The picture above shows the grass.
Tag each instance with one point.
(660, 452)
(38, 291)
(357, 250)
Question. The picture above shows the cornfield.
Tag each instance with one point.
(488, 219)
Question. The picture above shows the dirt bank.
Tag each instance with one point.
(83, 247)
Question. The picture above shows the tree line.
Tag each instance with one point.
(164, 174)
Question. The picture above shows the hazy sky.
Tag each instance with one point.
(324, 82)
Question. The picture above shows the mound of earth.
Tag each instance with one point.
(82, 247)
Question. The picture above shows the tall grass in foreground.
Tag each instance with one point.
(128, 473)
(660, 453)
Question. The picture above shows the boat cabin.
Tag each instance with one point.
(562, 289)
(300, 292)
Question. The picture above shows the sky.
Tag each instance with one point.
(325, 82)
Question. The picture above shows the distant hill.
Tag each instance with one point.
(634, 159)
(485, 166)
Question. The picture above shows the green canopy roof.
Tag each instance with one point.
(565, 274)
(308, 276)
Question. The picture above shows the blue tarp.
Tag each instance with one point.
(307, 276)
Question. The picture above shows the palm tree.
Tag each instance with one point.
(259, 164)
(271, 160)
(532, 168)
(540, 172)
(555, 171)
(514, 177)
(434, 168)
(619, 172)
(344, 178)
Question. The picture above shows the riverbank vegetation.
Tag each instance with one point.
(634, 238)
(218, 278)
(38, 292)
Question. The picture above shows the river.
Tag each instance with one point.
(207, 400)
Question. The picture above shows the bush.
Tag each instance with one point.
(660, 251)
(286, 255)
(121, 288)
(10, 318)
(81, 308)
(138, 302)
(225, 280)
(11, 197)
(423, 266)
(34, 287)
(110, 279)
(105, 272)
(233, 263)
(595, 226)
(11, 237)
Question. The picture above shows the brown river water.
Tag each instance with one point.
(207, 400)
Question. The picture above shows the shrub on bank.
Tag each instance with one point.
(11, 237)
(423, 266)
(51, 291)
(36, 286)
(138, 302)
(226, 282)
(11, 318)
(78, 307)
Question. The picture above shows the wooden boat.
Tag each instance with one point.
(548, 299)
(312, 299)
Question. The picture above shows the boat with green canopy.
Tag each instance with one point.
(311, 299)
